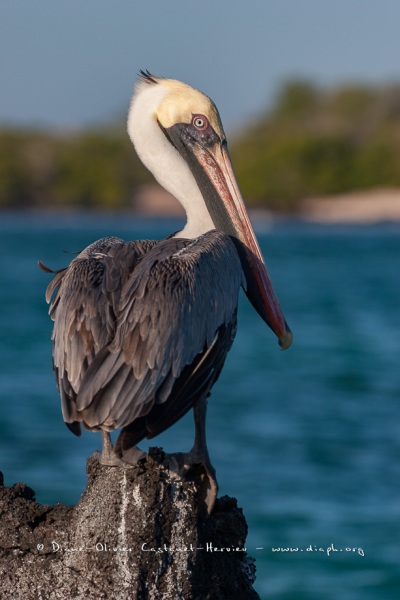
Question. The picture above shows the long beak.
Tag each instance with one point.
(229, 214)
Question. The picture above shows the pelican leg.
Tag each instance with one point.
(181, 463)
(110, 456)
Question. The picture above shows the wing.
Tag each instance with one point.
(83, 310)
(194, 382)
(177, 313)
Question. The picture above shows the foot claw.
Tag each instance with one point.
(182, 463)
(116, 457)
(109, 459)
(178, 463)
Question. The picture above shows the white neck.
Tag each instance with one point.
(164, 161)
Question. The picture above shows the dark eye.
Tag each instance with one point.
(199, 121)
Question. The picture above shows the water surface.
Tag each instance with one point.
(307, 440)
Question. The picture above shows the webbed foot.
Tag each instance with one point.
(112, 458)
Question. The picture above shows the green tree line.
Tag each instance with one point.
(311, 142)
(90, 169)
(316, 142)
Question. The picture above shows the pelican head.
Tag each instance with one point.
(178, 135)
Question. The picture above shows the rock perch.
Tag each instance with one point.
(136, 533)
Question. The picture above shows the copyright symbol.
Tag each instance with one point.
(40, 547)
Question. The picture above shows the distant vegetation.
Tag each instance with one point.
(312, 142)
(90, 169)
(316, 142)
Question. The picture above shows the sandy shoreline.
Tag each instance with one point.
(364, 207)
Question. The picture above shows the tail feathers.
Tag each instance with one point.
(75, 427)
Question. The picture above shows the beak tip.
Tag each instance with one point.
(286, 340)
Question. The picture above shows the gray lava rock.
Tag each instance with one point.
(136, 533)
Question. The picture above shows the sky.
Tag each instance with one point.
(72, 63)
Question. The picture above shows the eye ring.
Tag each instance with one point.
(200, 121)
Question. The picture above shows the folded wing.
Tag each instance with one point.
(175, 323)
(84, 298)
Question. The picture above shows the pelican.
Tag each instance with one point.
(142, 328)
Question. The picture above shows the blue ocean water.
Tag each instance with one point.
(307, 440)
